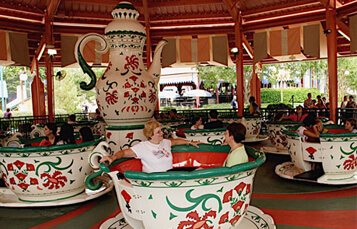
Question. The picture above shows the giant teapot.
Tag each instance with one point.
(126, 93)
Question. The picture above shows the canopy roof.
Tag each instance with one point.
(171, 18)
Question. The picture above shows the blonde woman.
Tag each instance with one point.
(155, 153)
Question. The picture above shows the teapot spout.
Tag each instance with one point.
(155, 69)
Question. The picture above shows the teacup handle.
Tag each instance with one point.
(99, 151)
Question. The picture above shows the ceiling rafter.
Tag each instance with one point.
(347, 9)
(240, 4)
(231, 9)
(235, 14)
(344, 29)
(285, 6)
(281, 14)
(49, 15)
(21, 8)
(183, 3)
(278, 22)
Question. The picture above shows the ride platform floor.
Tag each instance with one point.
(292, 204)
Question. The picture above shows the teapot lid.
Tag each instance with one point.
(125, 20)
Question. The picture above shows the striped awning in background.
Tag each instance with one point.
(14, 48)
(286, 44)
(315, 42)
(186, 51)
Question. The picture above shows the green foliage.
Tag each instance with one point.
(273, 95)
(217, 106)
(279, 106)
(347, 72)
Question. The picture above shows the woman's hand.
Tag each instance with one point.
(108, 159)
(195, 143)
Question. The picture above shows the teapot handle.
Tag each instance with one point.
(80, 59)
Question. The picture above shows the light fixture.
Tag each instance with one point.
(51, 52)
(23, 75)
(235, 52)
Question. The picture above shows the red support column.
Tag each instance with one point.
(258, 98)
(253, 84)
(49, 68)
(38, 94)
(50, 99)
(332, 60)
(239, 64)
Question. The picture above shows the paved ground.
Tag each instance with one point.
(293, 205)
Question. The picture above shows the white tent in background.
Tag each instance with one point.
(197, 93)
(168, 94)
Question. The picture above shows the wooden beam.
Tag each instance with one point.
(231, 9)
(344, 29)
(21, 8)
(147, 28)
(239, 64)
(182, 3)
(240, 4)
(274, 7)
(332, 60)
(284, 21)
(248, 48)
(287, 14)
(346, 10)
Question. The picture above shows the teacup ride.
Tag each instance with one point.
(277, 137)
(210, 197)
(216, 136)
(337, 151)
(38, 176)
(253, 126)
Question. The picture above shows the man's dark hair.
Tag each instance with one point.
(213, 114)
(195, 119)
(72, 117)
(237, 130)
(174, 111)
(309, 120)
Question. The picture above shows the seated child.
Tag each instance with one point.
(309, 129)
(320, 128)
(197, 123)
(66, 135)
(351, 125)
(86, 134)
(234, 135)
(310, 132)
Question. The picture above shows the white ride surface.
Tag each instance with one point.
(253, 219)
(288, 170)
(9, 199)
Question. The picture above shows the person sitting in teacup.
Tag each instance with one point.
(197, 123)
(351, 125)
(155, 154)
(51, 138)
(234, 136)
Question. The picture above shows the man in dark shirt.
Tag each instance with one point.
(214, 123)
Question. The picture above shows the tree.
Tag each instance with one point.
(212, 75)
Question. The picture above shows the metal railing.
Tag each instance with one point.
(23, 124)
